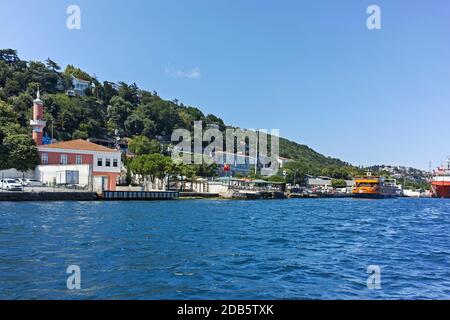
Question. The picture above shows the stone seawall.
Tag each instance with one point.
(48, 196)
(199, 195)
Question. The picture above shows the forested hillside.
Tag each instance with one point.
(107, 107)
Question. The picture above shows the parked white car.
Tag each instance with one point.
(31, 183)
(10, 185)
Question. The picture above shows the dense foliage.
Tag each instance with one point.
(18, 151)
(106, 108)
(151, 166)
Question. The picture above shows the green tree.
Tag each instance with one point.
(212, 119)
(140, 145)
(338, 183)
(107, 91)
(47, 78)
(118, 113)
(22, 152)
(4, 157)
(22, 107)
(52, 65)
(138, 124)
(163, 114)
(185, 171)
(205, 170)
(129, 93)
(151, 166)
(77, 73)
(10, 57)
(79, 134)
(12, 87)
(8, 117)
(296, 172)
(276, 179)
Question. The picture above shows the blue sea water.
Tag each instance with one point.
(212, 249)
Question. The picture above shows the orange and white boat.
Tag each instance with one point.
(440, 185)
(375, 187)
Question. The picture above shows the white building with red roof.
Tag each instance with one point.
(77, 162)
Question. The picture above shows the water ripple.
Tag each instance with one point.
(207, 249)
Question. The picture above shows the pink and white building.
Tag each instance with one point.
(77, 162)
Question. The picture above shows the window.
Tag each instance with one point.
(99, 162)
(115, 163)
(63, 159)
(108, 162)
(79, 159)
(44, 158)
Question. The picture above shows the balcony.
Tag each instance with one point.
(37, 123)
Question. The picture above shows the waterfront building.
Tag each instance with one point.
(325, 183)
(283, 161)
(239, 163)
(242, 164)
(318, 182)
(85, 162)
(251, 184)
(75, 162)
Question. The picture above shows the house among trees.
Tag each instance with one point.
(80, 86)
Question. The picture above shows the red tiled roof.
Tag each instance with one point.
(78, 145)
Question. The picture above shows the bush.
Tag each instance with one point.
(338, 183)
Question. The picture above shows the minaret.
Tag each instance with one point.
(37, 123)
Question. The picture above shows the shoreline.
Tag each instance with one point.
(147, 196)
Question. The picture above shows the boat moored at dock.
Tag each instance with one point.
(375, 187)
(440, 185)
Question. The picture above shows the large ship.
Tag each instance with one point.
(375, 187)
(440, 185)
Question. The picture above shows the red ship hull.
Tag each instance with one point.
(441, 189)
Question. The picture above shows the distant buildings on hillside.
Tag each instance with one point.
(80, 86)
(402, 172)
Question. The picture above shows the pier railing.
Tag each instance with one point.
(140, 195)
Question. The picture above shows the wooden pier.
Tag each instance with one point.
(140, 195)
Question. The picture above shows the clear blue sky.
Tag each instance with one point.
(310, 68)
